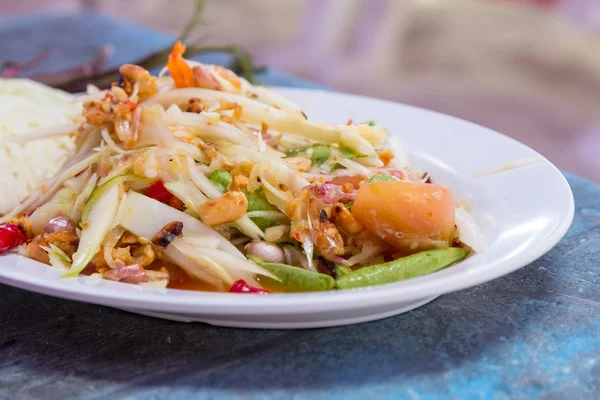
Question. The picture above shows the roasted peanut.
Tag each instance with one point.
(36, 252)
(244, 168)
(65, 239)
(128, 238)
(134, 73)
(144, 255)
(239, 182)
(195, 105)
(123, 254)
(344, 219)
(64, 235)
(209, 150)
(227, 208)
(119, 93)
(95, 115)
(277, 234)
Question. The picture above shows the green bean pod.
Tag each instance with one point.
(296, 279)
(418, 264)
(341, 271)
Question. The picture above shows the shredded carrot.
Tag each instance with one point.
(180, 72)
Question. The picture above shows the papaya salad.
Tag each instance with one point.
(197, 179)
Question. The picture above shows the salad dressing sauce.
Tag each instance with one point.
(179, 279)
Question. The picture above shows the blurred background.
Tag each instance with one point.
(527, 68)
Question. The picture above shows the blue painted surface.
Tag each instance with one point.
(532, 334)
(75, 39)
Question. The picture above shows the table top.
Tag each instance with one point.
(532, 334)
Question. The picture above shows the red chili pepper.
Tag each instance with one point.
(242, 287)
(10, 237)
(132, 106)
(159, 192)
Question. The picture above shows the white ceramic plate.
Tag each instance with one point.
(524, 212)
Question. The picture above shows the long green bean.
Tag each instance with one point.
(296, 278)
(422, 263)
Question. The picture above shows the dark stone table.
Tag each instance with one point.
(532, 334)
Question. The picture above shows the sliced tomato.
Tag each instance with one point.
(241, 286)
(410, 216)
(159, 192)
(342, 180)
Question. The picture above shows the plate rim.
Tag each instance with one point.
(227, 303)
